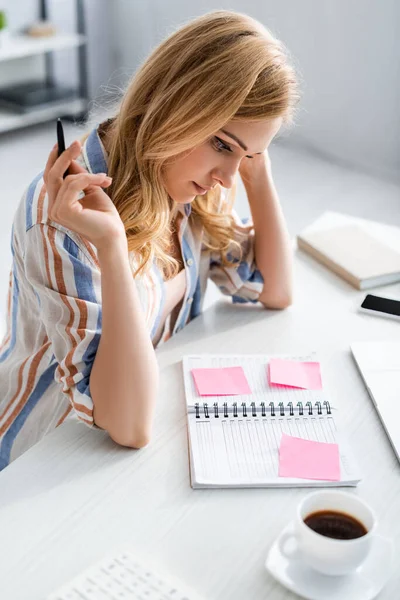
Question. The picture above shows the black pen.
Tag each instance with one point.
(61, 141)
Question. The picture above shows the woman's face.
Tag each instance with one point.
(217, 160)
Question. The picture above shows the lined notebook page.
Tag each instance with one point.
(243, 451)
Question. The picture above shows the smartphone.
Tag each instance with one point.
(381, 307)
(61, 141)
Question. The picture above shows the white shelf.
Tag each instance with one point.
(19, 46)
(10, 120)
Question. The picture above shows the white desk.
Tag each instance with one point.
(76, 495)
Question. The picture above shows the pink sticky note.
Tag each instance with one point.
(308, 460)
(294, 373)
(228, 381)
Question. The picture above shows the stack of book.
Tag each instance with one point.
(352, 250)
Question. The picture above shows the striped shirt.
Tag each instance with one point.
(54, 312)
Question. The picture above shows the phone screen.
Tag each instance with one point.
(384, 305)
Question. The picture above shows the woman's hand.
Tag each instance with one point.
(93, 216)
(255, 169)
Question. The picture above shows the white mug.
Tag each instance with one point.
(328, 555)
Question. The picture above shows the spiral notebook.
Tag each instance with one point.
(234, 440)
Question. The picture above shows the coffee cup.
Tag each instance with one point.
(333, 532)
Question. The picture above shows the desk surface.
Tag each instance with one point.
(76, 495)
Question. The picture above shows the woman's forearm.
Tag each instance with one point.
(272, 243)
(124, 376)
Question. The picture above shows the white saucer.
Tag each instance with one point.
(364, 584)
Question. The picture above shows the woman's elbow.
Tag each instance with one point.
(277, 302)
(136, 440)
(118, 433)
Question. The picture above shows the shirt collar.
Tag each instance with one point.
(94, 153)
(185, 209)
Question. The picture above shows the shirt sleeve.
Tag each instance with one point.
(243, 281)
(67, 285)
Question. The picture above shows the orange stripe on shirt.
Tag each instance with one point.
(81, 408)
(37, 357)
(42, 195)
(61, 288)
(69, 364)
(64, 416)
(47, 266)
(5, 342)
(229, 276)
(92, 254)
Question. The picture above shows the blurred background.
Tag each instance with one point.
(73, 58)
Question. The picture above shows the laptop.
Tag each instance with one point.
(379, 365)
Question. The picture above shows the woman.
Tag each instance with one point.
(114, 259)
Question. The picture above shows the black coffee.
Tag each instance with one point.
(336, 525)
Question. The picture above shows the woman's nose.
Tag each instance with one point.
(225, 176)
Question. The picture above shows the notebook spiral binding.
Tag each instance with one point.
(273, 410)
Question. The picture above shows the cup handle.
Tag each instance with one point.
(284, 538)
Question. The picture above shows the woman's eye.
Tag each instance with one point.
(219, 145)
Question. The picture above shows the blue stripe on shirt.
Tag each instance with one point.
(196, 304)
(46, 379)
(247, 273)
(29, 200)
(83, 386)
(240, 300)
(85, 291)
(95, 153)
(82, 272)
(193, 274)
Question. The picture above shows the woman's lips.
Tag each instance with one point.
(199, 189)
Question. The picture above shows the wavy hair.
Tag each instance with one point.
(221, 66)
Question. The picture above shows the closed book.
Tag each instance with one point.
(354, 254)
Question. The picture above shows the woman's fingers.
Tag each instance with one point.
(78, 183)
(72, 186)
(64, 193)
(50, 162)
(60, 165)
(64, 160)
(56, 167)
(75, 168)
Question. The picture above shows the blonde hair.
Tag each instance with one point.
(221, 66)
